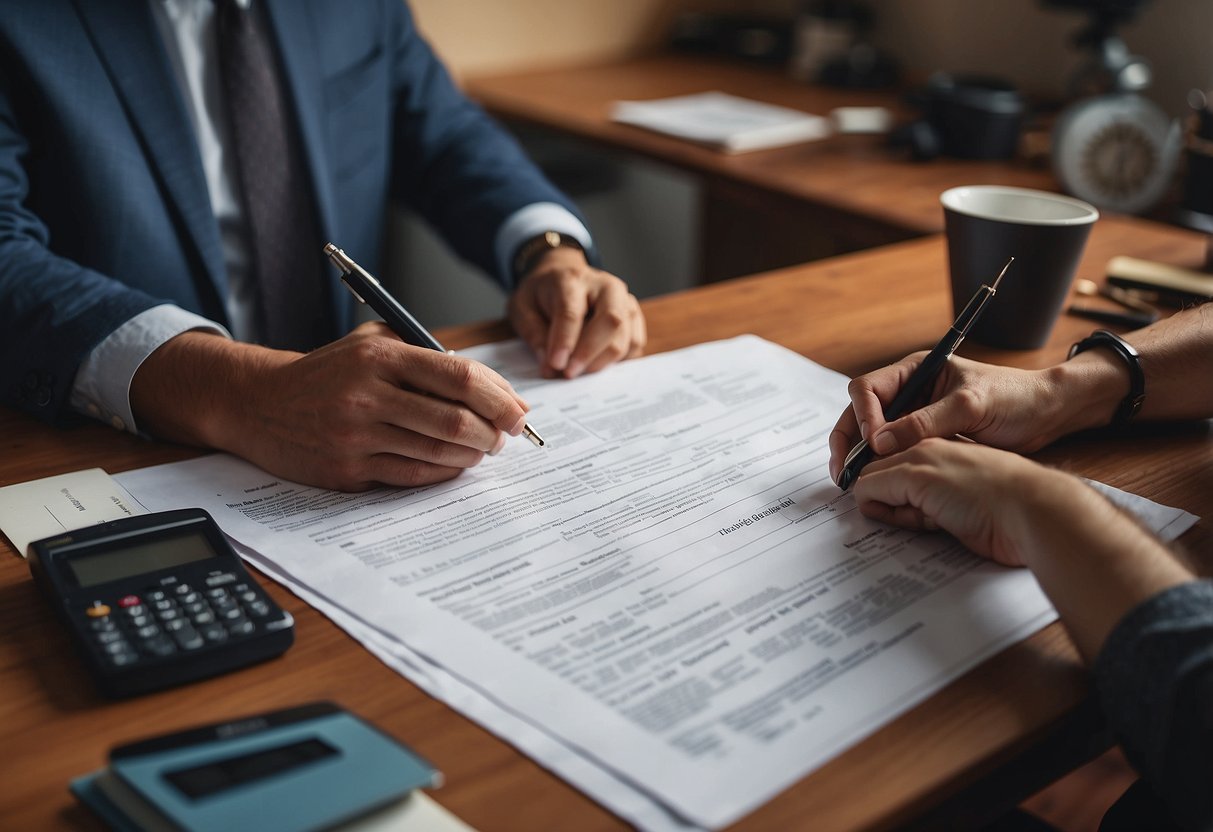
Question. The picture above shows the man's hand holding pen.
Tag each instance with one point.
(365, 410)
(576, 319)
(382, 411)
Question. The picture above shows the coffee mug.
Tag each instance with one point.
(1045, 232)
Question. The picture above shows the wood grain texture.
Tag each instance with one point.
(854, 176)
(852, 314)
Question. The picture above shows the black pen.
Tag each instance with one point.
(1134, 320)
(368, 290)
(924, 375)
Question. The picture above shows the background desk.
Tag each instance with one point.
(987, 740)
(764, 209)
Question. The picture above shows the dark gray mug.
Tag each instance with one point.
(1045, 233)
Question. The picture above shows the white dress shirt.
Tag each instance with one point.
(102, 385)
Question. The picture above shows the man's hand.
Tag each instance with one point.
(364, 410)
(576, 319)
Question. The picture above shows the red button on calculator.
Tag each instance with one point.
(129, 601)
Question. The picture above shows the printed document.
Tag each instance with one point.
(672, 589)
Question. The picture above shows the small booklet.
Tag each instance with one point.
(303, 769)
(723, 121)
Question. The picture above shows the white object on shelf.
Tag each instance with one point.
(862, 119)
(724, 121)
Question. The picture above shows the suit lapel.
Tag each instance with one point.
(129, 45)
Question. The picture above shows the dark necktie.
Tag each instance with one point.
(284, 246)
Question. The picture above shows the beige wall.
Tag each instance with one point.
(1015, 38)
(484, 36)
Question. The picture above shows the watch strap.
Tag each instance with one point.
(1130, 404)
(533, 249)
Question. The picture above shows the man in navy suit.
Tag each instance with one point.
(135, 272)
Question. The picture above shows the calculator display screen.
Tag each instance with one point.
(138, 558)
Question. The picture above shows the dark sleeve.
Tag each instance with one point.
(52, 310)
(1154, 677)
(451, 162)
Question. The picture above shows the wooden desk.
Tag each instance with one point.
(788, 205)
(1027, 700)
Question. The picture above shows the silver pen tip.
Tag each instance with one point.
(531, 434)
(998, 279)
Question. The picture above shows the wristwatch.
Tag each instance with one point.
(533, 249)
(1131, 403)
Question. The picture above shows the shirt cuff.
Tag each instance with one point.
(528, 223)
(103, 383)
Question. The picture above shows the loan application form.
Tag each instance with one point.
(673, 588)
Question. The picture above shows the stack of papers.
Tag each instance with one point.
(670, 605)
(723, 121)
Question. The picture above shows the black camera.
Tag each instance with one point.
(1111, 68)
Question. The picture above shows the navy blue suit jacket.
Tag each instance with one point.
(104, 209)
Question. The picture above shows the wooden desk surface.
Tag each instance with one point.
(854, 175)
(53, 727)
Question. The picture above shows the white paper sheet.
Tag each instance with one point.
(673, 587)
(634, 805)
(33, 510)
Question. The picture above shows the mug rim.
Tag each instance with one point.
(1088, 212)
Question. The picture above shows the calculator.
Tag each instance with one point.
(157, 600)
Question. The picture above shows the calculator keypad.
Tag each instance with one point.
(176, 619)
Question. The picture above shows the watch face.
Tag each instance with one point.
(1118, 152)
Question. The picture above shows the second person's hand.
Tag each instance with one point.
(1005, 407)
(1093, 560)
